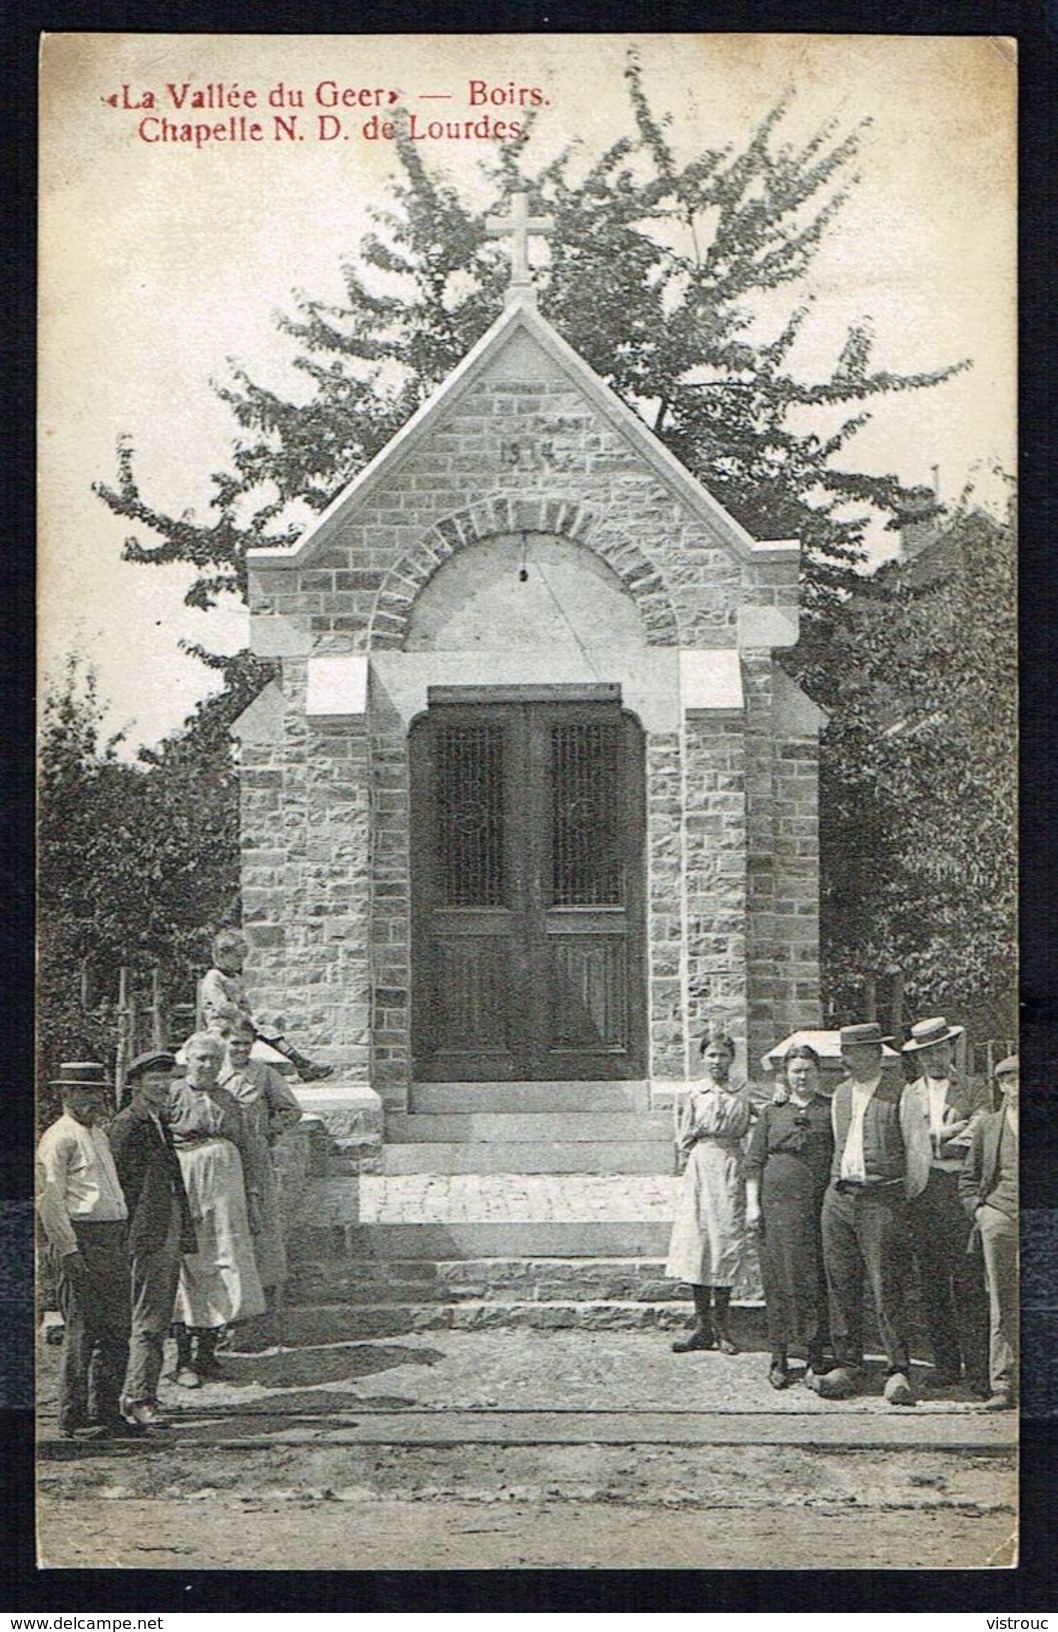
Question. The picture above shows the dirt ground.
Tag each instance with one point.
(271, 1469)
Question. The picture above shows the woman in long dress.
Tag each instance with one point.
(269, 1109)
(708, 1233)
(219, 1284)
(787, 1171)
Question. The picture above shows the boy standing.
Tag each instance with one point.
(83, 1213)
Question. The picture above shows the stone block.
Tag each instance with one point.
(347, 1109)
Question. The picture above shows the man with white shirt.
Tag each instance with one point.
(950, 1285)
(83, 1213)
(881, 1160)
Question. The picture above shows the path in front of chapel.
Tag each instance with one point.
(528, 1449)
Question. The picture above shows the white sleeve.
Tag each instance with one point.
(51, 1165)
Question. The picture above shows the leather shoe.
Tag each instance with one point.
(837, 1384)
(121, 1428)
(700, 1338)
(143, 1415)
(311, 1072)
(1000, 1402)
(898, 1390)
(186, 1378)
(779, 1377)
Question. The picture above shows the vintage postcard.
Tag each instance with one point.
(528, 1072)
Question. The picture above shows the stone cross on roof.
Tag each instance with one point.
(519, 226)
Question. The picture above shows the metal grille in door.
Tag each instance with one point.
(586, 868)
(470, 814)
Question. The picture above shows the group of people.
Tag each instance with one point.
(170, 1219)
(167, 1220)
(850, 1187)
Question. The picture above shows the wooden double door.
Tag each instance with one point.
(527, 839)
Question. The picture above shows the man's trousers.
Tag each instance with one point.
(155, 1275)
(999, 1242)
(951, 1286)
(865, 1234)
(95, 1344)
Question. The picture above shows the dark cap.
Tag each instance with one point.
(155, 1059)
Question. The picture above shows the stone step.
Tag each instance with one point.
(460, 1097)
(529, 1156)
(573, 1127)
(350, 1323)
(565, 1238)
(352, 1281)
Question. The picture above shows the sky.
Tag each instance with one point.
(164, 262)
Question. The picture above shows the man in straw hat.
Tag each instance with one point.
(881, 1159)
(952, 1292)
(160, 1224)
(988, 1186)
(83, 1213)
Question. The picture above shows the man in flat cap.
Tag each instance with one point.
(950, 1283)
(83, 1213)
(881, 1160)
(988, 1187)
(160, 1226)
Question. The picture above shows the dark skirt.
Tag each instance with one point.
(791, 1255)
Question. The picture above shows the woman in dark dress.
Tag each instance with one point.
(787, 1171)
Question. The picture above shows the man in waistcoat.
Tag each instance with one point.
(988, 1186)
(950, 1283)
(881, 1161)
(160, 1226)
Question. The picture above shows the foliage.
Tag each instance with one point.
(919, 786)
(138, 862)
(658, 270)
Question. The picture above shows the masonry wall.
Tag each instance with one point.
(797, 1001)
(782, 860)
(716, 899)
(513, 453)
(325, 807)
(306, 877)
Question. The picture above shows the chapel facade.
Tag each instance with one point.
(531, 800)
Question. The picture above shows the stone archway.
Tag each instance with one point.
(556, 517)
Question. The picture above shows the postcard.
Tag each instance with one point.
(528, 1066)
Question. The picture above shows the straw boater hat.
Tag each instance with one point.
(1008, 1067)
(82, 1074)
(155, 1059)
(860, 1036)
(924, 1033)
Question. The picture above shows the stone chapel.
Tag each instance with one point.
(532, 800)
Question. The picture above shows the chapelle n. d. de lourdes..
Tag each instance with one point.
(531, 801)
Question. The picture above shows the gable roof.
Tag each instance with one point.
(522, 317)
